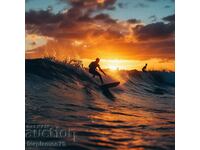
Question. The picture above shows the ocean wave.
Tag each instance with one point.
(64, 96)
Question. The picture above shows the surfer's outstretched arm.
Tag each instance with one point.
(101, 70)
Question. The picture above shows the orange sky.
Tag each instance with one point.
(85, 32)
(112, 54)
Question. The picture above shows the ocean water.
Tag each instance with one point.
(66, 109)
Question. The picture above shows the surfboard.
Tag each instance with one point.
(110, 85)
(106, 92)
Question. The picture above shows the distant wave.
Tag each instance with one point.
(156, 77)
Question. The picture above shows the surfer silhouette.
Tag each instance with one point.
(92, 69)
(144, 68)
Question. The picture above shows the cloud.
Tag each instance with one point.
(170, 18)
(133, 21)
(153, 18)
(41, 17)
(87, 31)
(158, 30)
(91, 4)
(34, 41)
(75, 23)
(104, 17)
(163, 49)
(143, 50)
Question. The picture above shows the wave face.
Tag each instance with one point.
(139, 115)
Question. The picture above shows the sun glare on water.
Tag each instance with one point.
(113, 67)
(114, 64)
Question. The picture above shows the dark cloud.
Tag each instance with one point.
(92, 4)
(50, 8)
(170, 18)
(42, 17)
(134, 21)
(149, 49)
(153, 18)
(80, 12)
(84, 18)
(104, 17)
(157, 30)
(75, 13)
(74, 24)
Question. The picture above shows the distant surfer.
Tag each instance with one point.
(92, 69)
(144, 68)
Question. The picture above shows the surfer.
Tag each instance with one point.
(92, 69)
(144, 68)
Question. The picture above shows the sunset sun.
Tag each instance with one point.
(113, 67)
(114, 64)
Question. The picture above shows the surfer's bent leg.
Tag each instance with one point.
(95, 73)
(92, 72)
